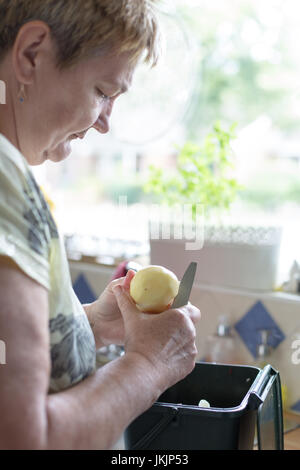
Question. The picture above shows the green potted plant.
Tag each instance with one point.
(203, 175)
(203, 182)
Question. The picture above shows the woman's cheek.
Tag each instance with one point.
(92, 114)
(87, 120)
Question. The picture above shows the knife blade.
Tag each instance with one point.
(185, 286)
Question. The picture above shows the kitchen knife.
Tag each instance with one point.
(185, 286)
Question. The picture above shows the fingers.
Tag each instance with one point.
(125, 303)
(115, 282)
(193, 312)
(128, 278)
(122, 281)
(190, 311)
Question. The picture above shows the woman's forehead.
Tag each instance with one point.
(115, 71)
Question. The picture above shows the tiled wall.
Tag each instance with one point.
(248, 312)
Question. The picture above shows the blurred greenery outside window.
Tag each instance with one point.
(233, 61)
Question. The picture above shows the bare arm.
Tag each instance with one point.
(24, 377)
(93, 413)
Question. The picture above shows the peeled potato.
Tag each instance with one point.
(153, 289)
(204, 404)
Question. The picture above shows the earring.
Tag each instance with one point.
(22, 94)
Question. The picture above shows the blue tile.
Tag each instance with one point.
(296, 407)
(83, 290)
(258, 318)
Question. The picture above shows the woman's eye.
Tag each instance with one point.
(101, 94)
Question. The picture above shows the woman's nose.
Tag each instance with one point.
(102, 123)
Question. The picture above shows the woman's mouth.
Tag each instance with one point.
(73, 136)
(79, 135)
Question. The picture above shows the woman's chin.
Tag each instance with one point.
(59, 153)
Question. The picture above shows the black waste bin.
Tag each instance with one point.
(243, 399)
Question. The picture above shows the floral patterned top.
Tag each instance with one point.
(29, 236)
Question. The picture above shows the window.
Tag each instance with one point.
(234, 61)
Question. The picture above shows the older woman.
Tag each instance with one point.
(64, 63)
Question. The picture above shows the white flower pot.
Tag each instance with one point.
(237, 257)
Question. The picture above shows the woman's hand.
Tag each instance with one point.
(104, 314)
(166, 340)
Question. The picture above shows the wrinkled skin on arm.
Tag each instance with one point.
(160, 350)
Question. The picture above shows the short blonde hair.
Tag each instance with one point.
(82, 28)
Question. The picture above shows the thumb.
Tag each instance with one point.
(128, 278)
(125, 303)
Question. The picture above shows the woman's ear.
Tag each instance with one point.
(33, 43)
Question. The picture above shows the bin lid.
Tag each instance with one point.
(269, 416)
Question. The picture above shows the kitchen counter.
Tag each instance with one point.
(292, 440)
(292, 436)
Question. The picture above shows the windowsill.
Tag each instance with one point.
(285, 297)
(272, 295)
